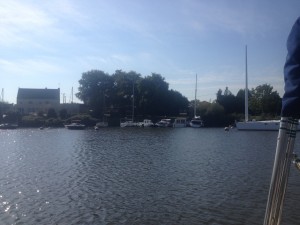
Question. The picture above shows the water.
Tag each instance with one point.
(139, 176)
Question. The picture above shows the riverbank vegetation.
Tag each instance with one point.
(115, 94)
(123, 94)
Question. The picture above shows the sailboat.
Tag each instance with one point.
(104, 122)
(196, 122)
(126, 122)
(264, 125)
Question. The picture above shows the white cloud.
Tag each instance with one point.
(29, 68)
(17, 20)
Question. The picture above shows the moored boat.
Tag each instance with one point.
(6, 126)
(146, 123)
(196, 122)
(164, 123)
(75, 126)
(101, 125)
(128, 123)
(263, 125)
(179, 122)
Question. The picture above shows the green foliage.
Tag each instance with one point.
(32, 121)
(264, 100)
(105, 93)
(51, 113)
(115, 95)
(264, 103)
(9, 117)
(227, 100)
(63, 114)
(94, 86)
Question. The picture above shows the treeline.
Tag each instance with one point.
(122, 94)
(264, 104)
(127, 93)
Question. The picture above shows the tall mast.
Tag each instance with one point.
(246, 90)
(2, 95)
(195, 97)
(132, 101)
(72, 96)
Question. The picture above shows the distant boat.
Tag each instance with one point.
(164, 123)
(75, 126)
(128, 123)
(259, 125)
(6, 126)
(101, 124)
(266, 125)
(263, 125)
(196, 122)
(146, 123)
(179, 122)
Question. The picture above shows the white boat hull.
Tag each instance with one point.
(196, 123)
(179, 123)
(101, 125)
(128, 124)
(146, 123)
(267, 125)
(164, 123)
(75, 126)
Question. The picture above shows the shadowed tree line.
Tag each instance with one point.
(263, 104)
(125, 93)
(113, 95)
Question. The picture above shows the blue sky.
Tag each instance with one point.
(51, 43)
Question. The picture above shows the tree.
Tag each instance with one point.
(51, 113)
(125, 91)
(154, 92)
(227, 100)
(214, 115)
(63, 114)
(94, 85)
(264, 100)
(176, 103)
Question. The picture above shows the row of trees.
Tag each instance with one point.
(127, 93)
(262, 101)
(115, 94)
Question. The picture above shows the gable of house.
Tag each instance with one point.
(40, 94)
(37, 100)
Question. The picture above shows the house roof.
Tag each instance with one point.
(29, 93)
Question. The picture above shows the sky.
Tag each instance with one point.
(49, 44)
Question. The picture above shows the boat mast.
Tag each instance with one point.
(195, 98)
(132, 101)
(72, 95)
(246, 91)
(2, 95)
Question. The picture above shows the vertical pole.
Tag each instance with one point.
(132, 101)
(281, 169)
(72, 96)
(195, 97)
(246, 89)
(2, 95)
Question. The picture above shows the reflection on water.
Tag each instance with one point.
(139, 176)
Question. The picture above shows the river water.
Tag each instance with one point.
(139, 176)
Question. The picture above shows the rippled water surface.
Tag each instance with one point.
(139, 176)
